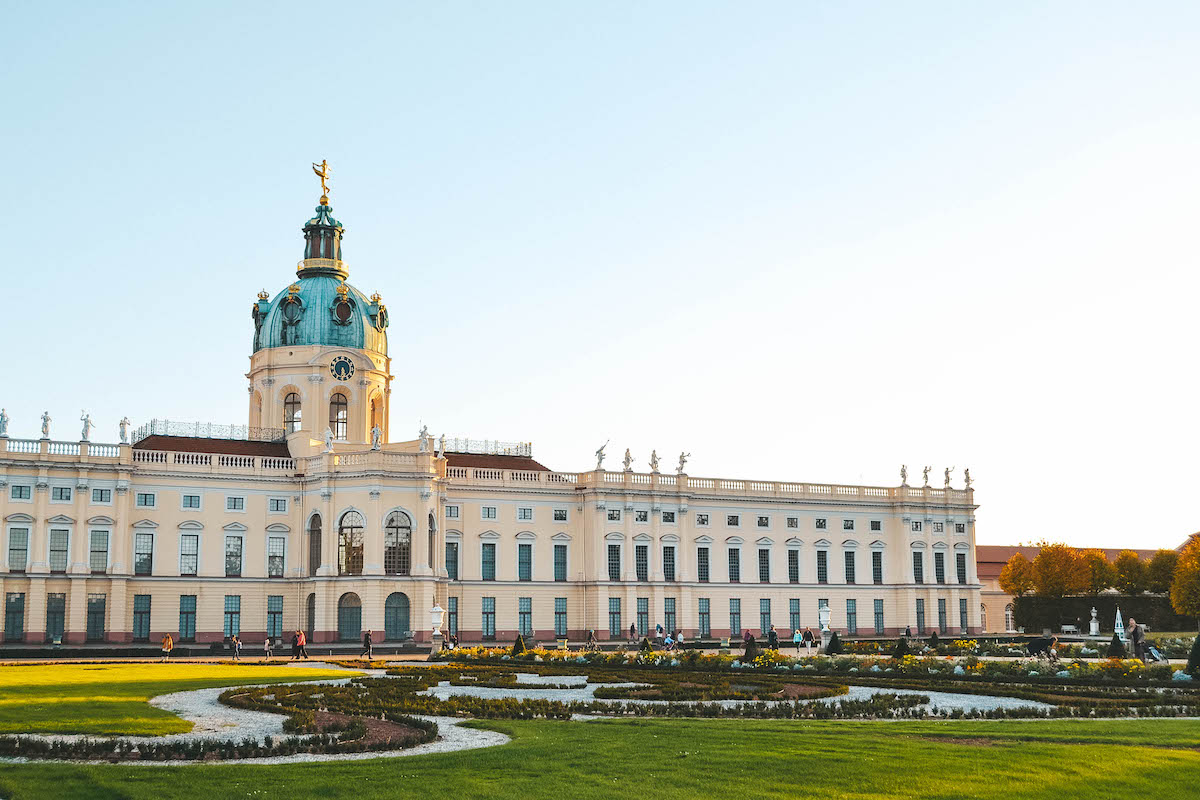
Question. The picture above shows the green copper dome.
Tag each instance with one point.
(320, 308)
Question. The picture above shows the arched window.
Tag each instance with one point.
(982, 617)
(314, 544)
(338, 415)
(397, 544)
(1008, 618)
(396, 618)
(291, 412)
(376, 422)
(349, 617)
(311, 617)
(350, 544)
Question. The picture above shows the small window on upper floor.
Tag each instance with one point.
(960, 527)
(764, 522)
(525, 514)
(614, 515)
(820, 523)
(733, 520)
(145, 500)
(560, 515)
(916, 526)
(668, 516)
(488, 512)
(702, 520)
(938, 527)
(793, 522)
(641, 516)
(277, 505)
(451, 512)
(235, 504)
(876, 525)
(60, 494)
(20, 492)
(101, 495)
(190, 501)
(847, 524)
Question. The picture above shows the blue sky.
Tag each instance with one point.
(803, 241)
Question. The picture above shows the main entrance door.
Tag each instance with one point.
(395, 617)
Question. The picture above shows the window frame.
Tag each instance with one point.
(183, 504)
(235, 504)
(183, 537)
(277, 536)
(139, 496)
(60, 500)
(153, 543)
(28, 492)
(483, 512)
(108, 545)
(733, 560)
(241, 543)
(66, 550)
(101, 501)
(524, 513)
(485, 547)
(274, 501)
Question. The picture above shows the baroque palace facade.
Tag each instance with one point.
(310, 518)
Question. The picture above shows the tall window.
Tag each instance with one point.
(962, 615)
(452, 560)
(822, 566)
(560, 562)
(735, 565)
(960, 563)
(852, 617)
(56, 616)
(669, 614)
(643, 616)
(918, 567)
(14, 616)
(143, 554)
(939, 567)
(58, 549)
(141, 617)
(668, 557)
(452, 615)
(524, 561)
(96, 604)
(276, 546)
(849, 557)
(614, 617)
(793, 566)
(291, 412)
(338, 415)
(764, 615)
(314, 544)
(189, 553)
(735, 617)
(920, 616)
(275, 616)
(560, 617)
(233, 614)
(614, 562)
(1008, 617)
(641, 556)
(489, 627)
(702, 564)
(877, 566)
(879, 618)
(397, 544)
(705, 618)
(525, 616)
(794, 614)
(488, 561)
(98, 555)
(764, 566)
(943, 625)
(18, 549)
(187, 617)
(350, 544)
(233, 556)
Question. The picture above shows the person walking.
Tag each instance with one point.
(303, 644)
(235, 645)
(367, 645)
(632, 632)
(1137, 635)
(295, 645)
(772, 639)
(267, 649)
(808, 640)
(167, 646)
(796, 639)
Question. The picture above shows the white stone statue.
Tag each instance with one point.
(46, 424)
(423, 439)
(328, 439)
(654, 461)
(948, 471)
(628, 462)
(925, 473)
(376, 437)
(3, 424)
(1094, 630)
(683, 457)
(123, 425)
(87, 426)
(441, 451)
(600, 455)
(904, 474)
(967, 479)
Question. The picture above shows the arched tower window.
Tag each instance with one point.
(350, 544)
(432, 538)
(375, 420)
(1008, 618)
(314, 544)
(397, 544)
(338, 415)
(291, 412)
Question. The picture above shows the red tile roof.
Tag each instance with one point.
(235, 447)
(493, 462)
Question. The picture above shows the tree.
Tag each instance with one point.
(1017, 576)
(1059, 571)
(901, 649)
(1116, 648)
(1160, 570)
(519, 646)
(1185, 586)
(1100, 573)
(1131, 573)
(1193, 665)
(835, 645)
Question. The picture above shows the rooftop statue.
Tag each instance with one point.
(328, 439)
(600, 455)
(322, 171)
(628, 462)
(376, 437)
(904, 475)
(87, 426)
(654, 461)
(3, 423)
(683, 457)
(925, 473)
(123, 426)
(46, 424)
(967, 478)
(948, 471)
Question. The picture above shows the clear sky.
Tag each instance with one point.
(803, 241)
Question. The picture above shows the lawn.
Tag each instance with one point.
(678, 758)
(111, 698)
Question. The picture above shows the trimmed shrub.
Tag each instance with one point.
(901, 649)
(933, 640)
(1193, 665)
(519, 646)
(645, 646)
(1116, 648)
(835, 645)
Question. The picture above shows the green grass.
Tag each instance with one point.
(677, 758)
(111, 698)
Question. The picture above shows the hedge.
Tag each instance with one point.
(1034, 613)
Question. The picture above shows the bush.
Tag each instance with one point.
(519, 646)
(933, 640)
(835, 645)
(901, 649)
(1193, 665)
(1116, 648)
(1034, 613)
(645, 646)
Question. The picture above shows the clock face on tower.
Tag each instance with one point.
(342, 368)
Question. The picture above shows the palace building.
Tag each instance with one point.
(310, 517)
